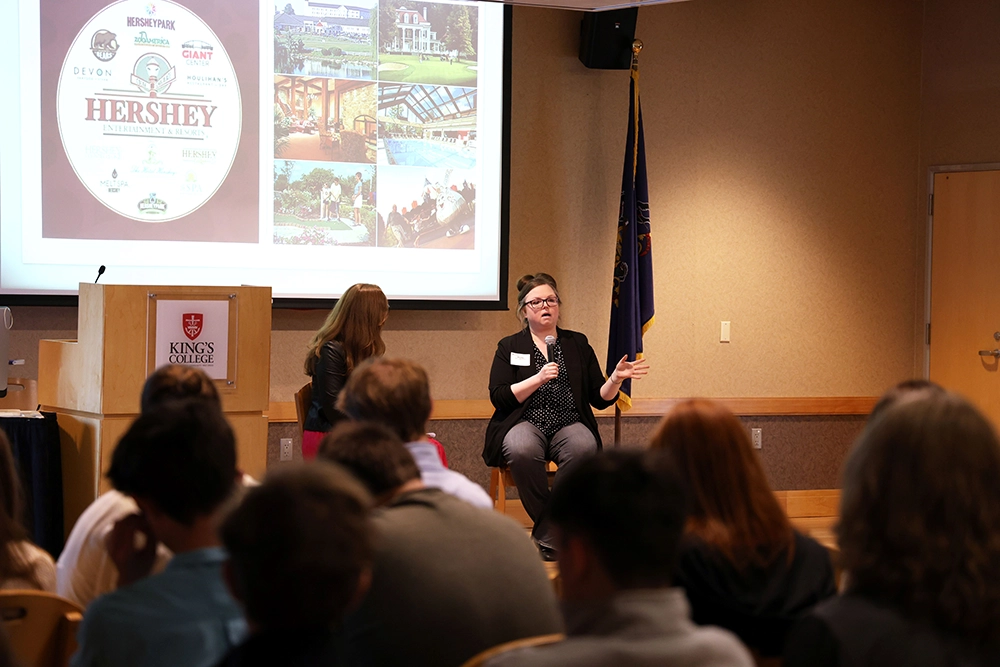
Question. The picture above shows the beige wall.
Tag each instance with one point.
(783, 141)
(959, 102)
(782, 147)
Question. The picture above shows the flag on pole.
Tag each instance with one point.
(632, 296)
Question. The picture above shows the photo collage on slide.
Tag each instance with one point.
(375, 123)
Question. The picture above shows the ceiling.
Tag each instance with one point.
(588, 5)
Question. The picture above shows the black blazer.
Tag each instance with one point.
(585, 378)
(329, 377)
(758, 604)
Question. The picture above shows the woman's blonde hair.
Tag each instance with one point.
(356, 323)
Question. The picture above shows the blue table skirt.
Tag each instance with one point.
(36, 452)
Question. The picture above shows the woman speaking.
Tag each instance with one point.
(543, 383)
(352, 333)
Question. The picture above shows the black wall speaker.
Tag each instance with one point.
(606, 38)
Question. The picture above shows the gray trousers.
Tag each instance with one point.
(527, 450)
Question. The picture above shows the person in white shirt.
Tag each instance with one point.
(396, 393)
(335, 192)
(85, 570)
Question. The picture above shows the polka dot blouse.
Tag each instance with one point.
(551, 407)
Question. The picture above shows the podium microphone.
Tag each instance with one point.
(550, 348)
(100, 272)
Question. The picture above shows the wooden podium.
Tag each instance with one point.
(94, 383)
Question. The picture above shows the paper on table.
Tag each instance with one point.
(33, 414)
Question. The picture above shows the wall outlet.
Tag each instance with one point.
(755, 437)
(285, 453)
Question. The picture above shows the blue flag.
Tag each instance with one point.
(632, 297)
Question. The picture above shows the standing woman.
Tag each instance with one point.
(352, 333)
(543, 408)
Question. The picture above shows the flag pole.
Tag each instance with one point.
(618, 425)
(636, 48)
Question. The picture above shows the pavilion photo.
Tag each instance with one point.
(426, 126)
(330, 120)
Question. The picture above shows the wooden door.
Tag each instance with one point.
(965, 287)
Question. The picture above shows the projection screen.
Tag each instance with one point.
(303, 145)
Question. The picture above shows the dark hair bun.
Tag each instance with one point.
(540, 278)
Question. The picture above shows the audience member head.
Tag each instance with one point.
(178, 460)
(175, 382)
(356, 323)
(527, 283)
(732, 507)
(905, 390)
(11, 509)
(300, 547)
(373, 454)
(394, 392)
(919, 525)
(618, 518)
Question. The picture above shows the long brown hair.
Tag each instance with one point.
(732, 507)
(11, 529)
(919, 527)
(355, 322)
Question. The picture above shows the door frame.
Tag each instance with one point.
(933, 171)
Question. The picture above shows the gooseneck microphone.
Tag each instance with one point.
(100, 272)
(550, 348)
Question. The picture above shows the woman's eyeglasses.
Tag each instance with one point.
(536, 304)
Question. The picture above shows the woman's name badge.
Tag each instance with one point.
(517, 359)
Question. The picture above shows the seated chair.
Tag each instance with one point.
(500, 479)
(527, 642)
(303, 399)
(41, 626)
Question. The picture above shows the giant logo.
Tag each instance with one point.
(150, 113)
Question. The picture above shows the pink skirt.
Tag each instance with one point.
(310, 444)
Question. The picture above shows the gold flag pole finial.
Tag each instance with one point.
(636, 48)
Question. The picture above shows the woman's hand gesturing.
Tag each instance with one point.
(629, 370)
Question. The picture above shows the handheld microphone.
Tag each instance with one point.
(550, 348)
(100, 272)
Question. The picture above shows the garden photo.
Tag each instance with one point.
(422, 42)
(318, 203)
